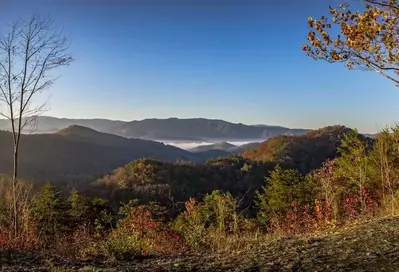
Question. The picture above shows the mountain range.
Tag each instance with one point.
(172, 129)
(79, 153)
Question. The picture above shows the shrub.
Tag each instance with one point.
(191, 224)
(208, 224)
(48, 215)
(283, 188)
(121, 245)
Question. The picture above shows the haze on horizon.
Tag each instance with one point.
(240, 62)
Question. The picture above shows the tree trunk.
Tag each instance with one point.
(14, 190)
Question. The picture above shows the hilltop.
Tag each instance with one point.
(78, 153)
(48, 124)
(206, 129)
(225, 146)
(302, 152)
(171, 129)
(221, 149)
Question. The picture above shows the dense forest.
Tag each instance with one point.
(293, 184)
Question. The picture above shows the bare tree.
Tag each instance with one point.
(29, 51)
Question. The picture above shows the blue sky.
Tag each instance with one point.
(234, 60)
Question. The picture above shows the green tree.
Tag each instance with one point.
(48, 214)
(385, 159)
(354, 164)
(329, 186)
(221, 211)
(282, 188)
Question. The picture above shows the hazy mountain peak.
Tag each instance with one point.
(78, 130)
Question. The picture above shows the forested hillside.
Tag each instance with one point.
(80, 154)
(166, 183)
(154, 180)
(302, 152)
(199, 128)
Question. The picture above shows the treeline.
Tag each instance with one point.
(171, 183)
(230, 204)
(156, 180)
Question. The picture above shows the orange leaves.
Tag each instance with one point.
(191, 205)
(140, 219)
(149, 232)
(326, 37)
(366, 40)
(311, 36)
(306, 218)
(335, 55)
(310, 22)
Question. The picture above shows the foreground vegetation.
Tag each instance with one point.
(290, 215)
(361, 246)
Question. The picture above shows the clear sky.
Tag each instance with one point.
(235, 60)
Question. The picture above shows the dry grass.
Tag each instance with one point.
(371, 245)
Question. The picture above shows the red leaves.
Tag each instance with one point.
(351, 205)
(152, 231)
(3, 238)
(307, 218)
(357, 204)
(141, 219)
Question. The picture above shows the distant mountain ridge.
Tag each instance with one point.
(171, 129)
(47, 124)
(205, 129)
(78, 153)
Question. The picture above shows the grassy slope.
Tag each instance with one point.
(367, 246)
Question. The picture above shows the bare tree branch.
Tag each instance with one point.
(28, 53)
(382, 4)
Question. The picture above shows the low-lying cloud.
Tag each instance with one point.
(191, 145)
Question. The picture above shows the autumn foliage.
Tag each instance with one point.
(360, 182)
(367, 39)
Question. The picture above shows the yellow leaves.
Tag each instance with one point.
(333, 11)
(372, 32)
(334, 55)
(311, 36)
(344, 26)
(317, 43)
(376, 12)
(326, 37)
(319, 26)
(310, 22)
(350, 43)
